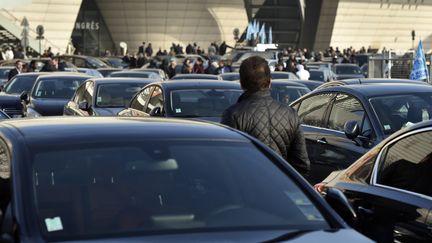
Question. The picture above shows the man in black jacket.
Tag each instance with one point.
(17, 70)
(258, 114)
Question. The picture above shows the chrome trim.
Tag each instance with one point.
(373, 180)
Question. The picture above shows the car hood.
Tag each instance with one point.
(49, 107)
(342, 235)
(107, 111)
(208, 118)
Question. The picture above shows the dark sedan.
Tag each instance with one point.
(158, 71)
(347, 71)
(308, 83)
(371, 81)
(283, 75)
(203, 99)
(287, 91)
(10, 101)
(229, 76)
(4, 74)
(104, 97)
(153, 180)
(107, 71)
(50, 94)
(390, 187)
(84, 61)
(193, 76)
(342, 123)
(133, 74)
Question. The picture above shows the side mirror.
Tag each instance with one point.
(25, 97)
(341, 205)
(157, 111)
(351, 129)
(83, 105)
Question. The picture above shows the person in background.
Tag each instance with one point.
(223, 68)
(171, 69)
(302, 73)
(149, 50)
(51, 66)
(279, 67)
(17, 70)
(198, 67)
(275, 124)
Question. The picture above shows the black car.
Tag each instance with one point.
(158, 71)
(371, 81)
(347, 71)
(390, 187)
(229, 76)
(308, 83)
(107, 71)
(194, 76)
(283, 75)
(84, 61)
(104, 96)
(153, 180)
(50, 94)
(132, 74)
(287, 91)
(377, 111)
(203, 99)
(4, 74)
(116, 62)
(10, 101)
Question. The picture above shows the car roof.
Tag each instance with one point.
(121, 80)
(132, 72)
(287, 82)
(372, 90)
(197, 83)
(65, 75)
(195, 75)
(345, 64)
(74, 129)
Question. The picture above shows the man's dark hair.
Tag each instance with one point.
(17, 61)
(254, 74)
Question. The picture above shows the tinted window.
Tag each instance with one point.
(156, 100)
(399, 111)
(139, 103)
(345, 108)
(4, 73)
(57, 88)
(408, 164)
(287, 94)
(312, 109)
(317, 75)
(202, 102)
(116, 95)
(18, 84)
(348, 70)
(150, 186)
(79, 62)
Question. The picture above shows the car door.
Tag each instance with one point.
(336, 151)
(156, 101)
(84, 94)
(139, 103)
(311, 112)
(394, 204)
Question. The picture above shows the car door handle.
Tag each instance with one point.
(322, 141)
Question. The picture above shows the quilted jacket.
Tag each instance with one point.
(275, 124)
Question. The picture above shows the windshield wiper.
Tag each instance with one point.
(288, 236)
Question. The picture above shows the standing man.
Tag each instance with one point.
(17, 70)
(141, 48)
(258, 114)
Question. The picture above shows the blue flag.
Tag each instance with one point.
(262, 34)
(270, 38)
(249, 32)
(419, 70)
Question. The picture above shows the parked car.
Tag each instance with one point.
(371, 81)
(153, 180)
(203, 99)
(104, 96)
(378, 111)
(229, 76)
(91, 72)
(194, 76)
(158, 71)
(323, 75)
(50, 94)
(40, 62)
(238, 56)
(308, 83)
(390, 187)
(287, 91)
(84, 61)
(10, 101)
(283, 75)
(347, 71)
(3, 115)
(132, 74)
(319, 65)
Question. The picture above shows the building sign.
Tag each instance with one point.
(89, 25)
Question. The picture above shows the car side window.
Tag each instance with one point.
(140, 101)
(79, 62)
(79, 93)
(86, 93)
(312, 109)
(407, 164)
(156, 100)
(345, 108)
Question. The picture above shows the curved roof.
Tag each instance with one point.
(197, 83)
(122, 80)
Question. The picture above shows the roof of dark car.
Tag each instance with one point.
(196, 83)
(65, 75)
(197, 75)
(75, 129)
(345, 64)
(372, 90)
(287, 82)
(115, 80)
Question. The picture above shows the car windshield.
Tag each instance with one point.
(317, 75)
(4, 73)
(18, 84)
(287, 94)
(123, 188)
(202, 102)
(283, 75)
(94, 62)
(348, 70)
(57, 88)
(399, 111)
(116, 95)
